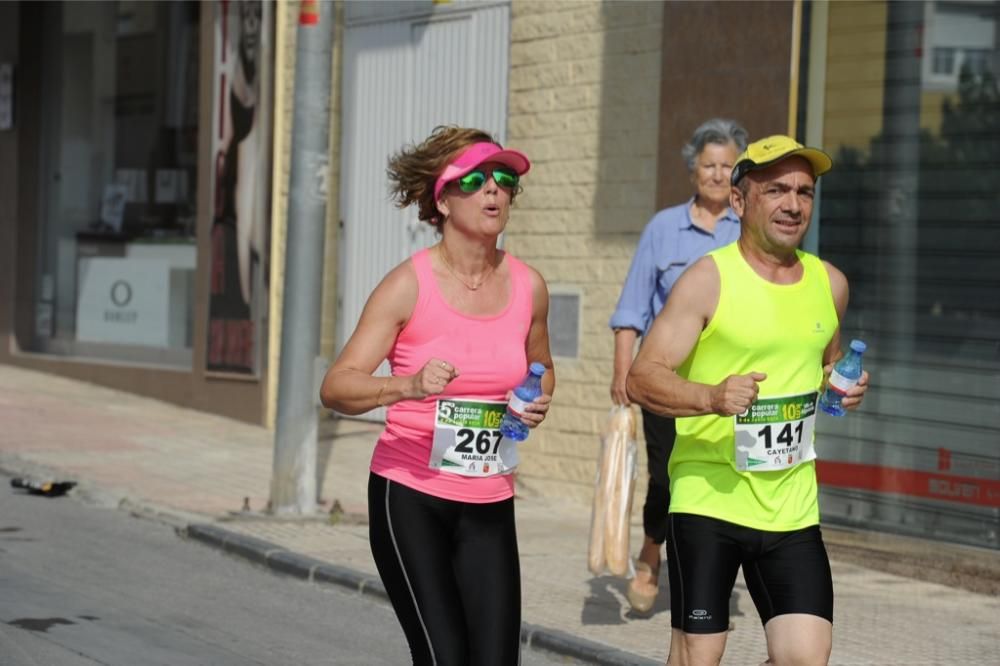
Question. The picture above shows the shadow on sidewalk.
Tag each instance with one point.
(607, 604)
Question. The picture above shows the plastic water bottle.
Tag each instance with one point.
(845, 376)
(530, 388)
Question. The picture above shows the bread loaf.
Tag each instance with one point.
(612, 507)
(595, 552)
(620, 439)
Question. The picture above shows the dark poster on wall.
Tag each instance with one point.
(240, 238)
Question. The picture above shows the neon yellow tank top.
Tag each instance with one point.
(759, 326)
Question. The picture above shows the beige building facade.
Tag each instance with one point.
(601, 95)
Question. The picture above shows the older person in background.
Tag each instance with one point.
(673, 240)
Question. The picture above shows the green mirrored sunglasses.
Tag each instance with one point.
(475, 179)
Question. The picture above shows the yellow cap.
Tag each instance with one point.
(771, 150)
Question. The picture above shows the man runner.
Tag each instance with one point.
(739, 354)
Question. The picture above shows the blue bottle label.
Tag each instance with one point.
(841, 384)
(516, 406)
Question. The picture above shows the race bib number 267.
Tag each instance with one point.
(467, 438)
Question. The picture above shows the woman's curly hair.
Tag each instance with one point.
(414, 169)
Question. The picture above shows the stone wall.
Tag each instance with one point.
(584, 105)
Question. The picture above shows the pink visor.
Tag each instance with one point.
(475, 155)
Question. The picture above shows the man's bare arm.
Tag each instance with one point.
(653, 381)
(838, 287)
(833, 352)
(624, 352)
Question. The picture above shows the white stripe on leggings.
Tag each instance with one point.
(399, 557)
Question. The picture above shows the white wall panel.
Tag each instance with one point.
(402, 78)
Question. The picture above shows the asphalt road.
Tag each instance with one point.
(82, 585)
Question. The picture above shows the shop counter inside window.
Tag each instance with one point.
(135, 292)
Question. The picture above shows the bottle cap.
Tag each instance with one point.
(858, 346)
(537, 369)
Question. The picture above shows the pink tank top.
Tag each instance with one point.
(489, 353)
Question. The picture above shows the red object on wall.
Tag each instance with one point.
(928, 485)
(309, 12)
(944, 460)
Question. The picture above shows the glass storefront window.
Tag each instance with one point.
(944, 60)
(910, 113)
(116, 234)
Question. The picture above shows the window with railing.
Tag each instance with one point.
(911, 214)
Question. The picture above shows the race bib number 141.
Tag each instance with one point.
(776, 433)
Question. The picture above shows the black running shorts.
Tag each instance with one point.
(785, 572)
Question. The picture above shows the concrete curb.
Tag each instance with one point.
(313, 570)
(561, 642)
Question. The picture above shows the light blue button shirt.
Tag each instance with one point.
(669, 244)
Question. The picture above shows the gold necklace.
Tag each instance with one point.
(470, 287)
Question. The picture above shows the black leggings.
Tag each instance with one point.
(660, 433)
(452, 573)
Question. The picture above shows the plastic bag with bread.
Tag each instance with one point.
(614, 487)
